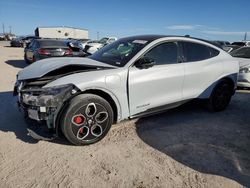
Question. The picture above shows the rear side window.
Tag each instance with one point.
(165, 53)
(197, 52)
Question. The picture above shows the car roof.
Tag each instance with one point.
(155, 37)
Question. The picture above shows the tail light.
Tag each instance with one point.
(68, 52)
(43, 51)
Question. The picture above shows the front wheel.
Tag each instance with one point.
(87, 119)
(220, 97)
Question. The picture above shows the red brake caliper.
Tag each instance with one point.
(79, 119)
(81, 130)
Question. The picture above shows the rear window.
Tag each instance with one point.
(197, 52)
(52, 43)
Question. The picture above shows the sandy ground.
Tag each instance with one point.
(184, 147)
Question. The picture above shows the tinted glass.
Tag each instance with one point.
(242, 52)
(52, 43)
(165, 53)
(213, 52)
(197, 52)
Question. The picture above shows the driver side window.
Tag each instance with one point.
(166, 53)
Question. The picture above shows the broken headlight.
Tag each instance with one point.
(50, 96)
(57, 89)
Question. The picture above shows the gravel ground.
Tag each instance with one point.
(184, 147)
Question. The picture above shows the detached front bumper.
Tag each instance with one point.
(43, 104)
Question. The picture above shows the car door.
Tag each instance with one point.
(201, 68)
(158, 86)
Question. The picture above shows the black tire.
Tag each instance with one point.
(26, 59)
(97, 117)
(33, 59)
(221, 96)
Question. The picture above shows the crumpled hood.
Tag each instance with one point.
(42, 67)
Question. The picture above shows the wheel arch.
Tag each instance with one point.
(232, 79)
(108, 98)
(104, 94)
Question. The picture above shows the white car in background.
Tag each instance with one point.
(243, 56)
(92, 47)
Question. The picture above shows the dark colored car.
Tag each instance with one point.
(22, 41)
(243, 52)
(220, 44)
(239, 43)
(46, 48)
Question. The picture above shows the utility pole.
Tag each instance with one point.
(3, 28)
(97, 35)
(245, 37)
(10, 29)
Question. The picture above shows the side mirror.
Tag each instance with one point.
(145, 63)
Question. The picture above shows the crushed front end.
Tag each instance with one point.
(42, 104)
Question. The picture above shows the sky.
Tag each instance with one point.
(208, 19)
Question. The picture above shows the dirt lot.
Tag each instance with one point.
(184, 147)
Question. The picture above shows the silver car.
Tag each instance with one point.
(136, 76)
(243, 56)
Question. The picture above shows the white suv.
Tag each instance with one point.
(132, 77)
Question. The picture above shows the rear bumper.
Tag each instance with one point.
(244, 80)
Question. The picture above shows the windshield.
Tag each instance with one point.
(242, 52)
(120, 52)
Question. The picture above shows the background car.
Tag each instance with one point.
(230, 48)
(46, 48)
(243, 56)
(242, 43)
(76, 48)
(92, 47)
(82, 43)
(22, 41)
(220, 44)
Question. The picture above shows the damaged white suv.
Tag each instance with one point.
(132, 77)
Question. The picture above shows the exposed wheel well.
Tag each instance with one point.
(231, 82)
(107, 97)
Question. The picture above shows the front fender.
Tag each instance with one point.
(111, 81)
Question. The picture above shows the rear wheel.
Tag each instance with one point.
(87, 119)
(221, 96)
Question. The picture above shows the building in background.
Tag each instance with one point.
(61, 32)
